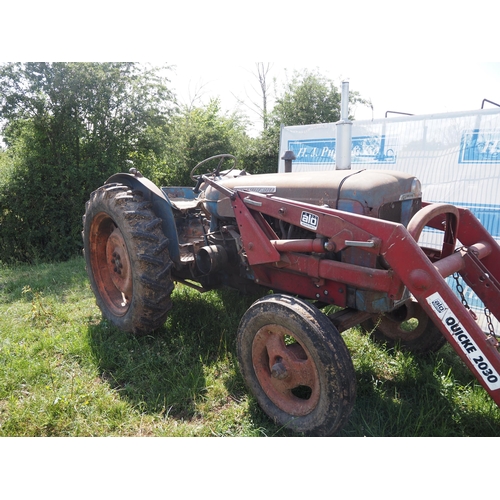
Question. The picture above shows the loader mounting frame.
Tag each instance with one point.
(297, 266)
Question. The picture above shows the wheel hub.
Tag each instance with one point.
(118, 264)
(110, 264)
(285, 370)
(279, 371)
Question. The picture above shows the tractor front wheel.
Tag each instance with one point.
(297, 365)
(127, 259)
(408, 327)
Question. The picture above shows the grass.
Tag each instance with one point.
(64, 371)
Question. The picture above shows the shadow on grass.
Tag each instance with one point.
(166, 372)
(435, 397)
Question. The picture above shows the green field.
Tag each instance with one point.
(66, 372)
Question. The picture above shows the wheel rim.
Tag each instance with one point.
(111, 264)
(409, 328)
(285, 370)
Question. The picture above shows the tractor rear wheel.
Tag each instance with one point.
(127, 259)
(297, 365)
(408, 327)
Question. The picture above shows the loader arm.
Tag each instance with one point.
(290, 265)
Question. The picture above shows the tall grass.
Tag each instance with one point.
(64, 371)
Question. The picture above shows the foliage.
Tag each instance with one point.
(5, 164)
(307, 98)
(64, 371)
(260, 155)
(197, 133)
(68, 126)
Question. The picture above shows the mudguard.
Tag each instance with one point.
(162, 207)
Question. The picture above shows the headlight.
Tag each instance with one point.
(415, 190)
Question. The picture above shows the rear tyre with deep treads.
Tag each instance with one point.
(127, 259)
(297, 365)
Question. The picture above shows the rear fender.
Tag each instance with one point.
(162, 207)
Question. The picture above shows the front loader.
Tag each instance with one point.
(305, 241)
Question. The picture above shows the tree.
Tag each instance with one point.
(198, 133)
(68, 126)
(308, 98)
(260, 107)
(260, 154)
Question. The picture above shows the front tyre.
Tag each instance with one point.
(127, 259)
(297, 365)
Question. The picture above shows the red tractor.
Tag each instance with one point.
(316, 239)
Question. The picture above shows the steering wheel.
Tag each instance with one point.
(215, 172)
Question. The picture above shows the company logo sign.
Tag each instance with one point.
(365, 149)
(480, 146)
(465, 341)
(309, 220)
(313, 151)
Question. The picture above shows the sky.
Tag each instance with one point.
(419, 58)
(411, 87)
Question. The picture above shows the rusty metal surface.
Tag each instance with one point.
(111, 264)
(191, 236)
(348, 318)
(363, 192)
(283, 366)
(407, 262)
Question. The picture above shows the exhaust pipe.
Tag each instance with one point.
(289, 156)
(344, 132)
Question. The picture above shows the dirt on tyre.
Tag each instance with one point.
(127, 259)
(296, 364)
(408, 328)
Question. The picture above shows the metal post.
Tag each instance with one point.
(344, 132)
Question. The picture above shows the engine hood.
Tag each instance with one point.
(360, 191)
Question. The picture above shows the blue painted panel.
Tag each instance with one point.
(313, 151)
(480, 146)
(365, 149)
(372, 149)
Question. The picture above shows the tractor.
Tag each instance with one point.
(306, 241)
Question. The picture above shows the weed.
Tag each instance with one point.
(40, 313)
